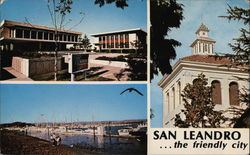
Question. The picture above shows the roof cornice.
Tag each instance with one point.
(198, 65)
(121, 31)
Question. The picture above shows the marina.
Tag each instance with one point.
(115, 138)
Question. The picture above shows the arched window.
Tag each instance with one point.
(179, 91)
(234, 93)
(216, 92)
(195, 81)
(168, 106)
(173, 97)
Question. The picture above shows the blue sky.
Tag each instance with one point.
(96, 19)
(71, 102)
(196, 12)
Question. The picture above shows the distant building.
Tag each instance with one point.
(17, 36)
(121, 41)
(226, 82)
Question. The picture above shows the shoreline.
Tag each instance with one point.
(15, 143)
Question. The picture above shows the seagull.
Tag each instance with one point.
(132, 89)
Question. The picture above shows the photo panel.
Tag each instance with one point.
(73, 40)
(199, 77)
(73, 118)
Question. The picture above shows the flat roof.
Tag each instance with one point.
(120, 31)
(14, 23)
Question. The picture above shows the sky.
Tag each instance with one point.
(71, 102)
(96, 19)
(195, 13)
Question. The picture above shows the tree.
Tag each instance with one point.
(199, 107)
(164, 15)
(137, 69)
(241, 58)
(85, 42)
(58, 9)
(119, 3)
(138, 46)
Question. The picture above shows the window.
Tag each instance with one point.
(33, 34)
(116, 41)
(179, 91)
(40, 35)
(126, 38)
(51, 37)
(121, 41)
(196, 81)
(173, 97)
(126, 44)
(104, 42)
(108, 41)
(216, 92)
(65, 37)
(19, 33)
(122, 45)
(112, 41)
(26, 34)
(168, 102)
(46, 35)
(234, 93)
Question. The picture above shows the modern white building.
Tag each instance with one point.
(226, 81)
(120, 41)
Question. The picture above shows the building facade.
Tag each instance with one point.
(25, 37)
(226, 81)
(121, 41)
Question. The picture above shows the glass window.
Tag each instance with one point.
(173, 97)
(19, 33)
(179, 91)
(40, 35)
(51, 37)
(126, 44)
(46, 35)
(234, 93)
(216, 92)
(33, 34)
(26, 34)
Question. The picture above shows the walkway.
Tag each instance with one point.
(109, 71)
(17, 76)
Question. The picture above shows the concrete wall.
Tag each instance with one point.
(132, 38)
(21, 65)
(42, 66)
(31, 67)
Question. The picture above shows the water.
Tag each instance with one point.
(99, 143)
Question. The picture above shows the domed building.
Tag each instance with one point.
(227, 82)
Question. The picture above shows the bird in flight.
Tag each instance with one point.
(132, 89)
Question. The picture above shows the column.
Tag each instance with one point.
(165, 110)
(14, 33)
(225, 92)
(22, 33)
